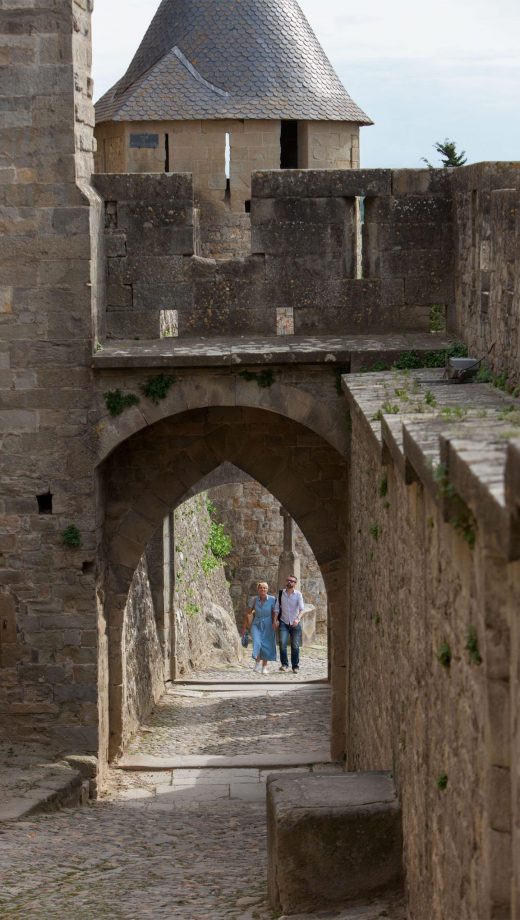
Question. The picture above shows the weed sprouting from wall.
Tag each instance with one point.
(263, 378)
(472, 646)
(191, 609)
(444, 655)
(71, 536)
(116, 401)
(442, 782)
(445, 487)
(157, 388)
(217, 548)
(383, 486)
(374, 531)
(465, 524)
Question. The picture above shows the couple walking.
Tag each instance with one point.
(266, 615)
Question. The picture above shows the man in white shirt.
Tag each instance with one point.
(291, 602)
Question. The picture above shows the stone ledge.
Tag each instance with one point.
(350, 350)
(39, 788)
(331, 838)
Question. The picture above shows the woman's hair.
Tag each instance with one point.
(262, 584)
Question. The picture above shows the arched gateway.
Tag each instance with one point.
(151, 469)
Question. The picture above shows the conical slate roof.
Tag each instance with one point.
(229, 59)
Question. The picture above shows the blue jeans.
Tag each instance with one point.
(295, 635)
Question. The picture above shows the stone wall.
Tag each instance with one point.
(252, 518)
(143, 683)
(302, 275)
(205, 632)
(420, 590)
(487, 200)
(49, 677)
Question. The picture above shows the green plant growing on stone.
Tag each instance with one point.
(451, 412)
(465, 524)
(192, 609)
(374, 368)
(71, 536)
(484, 374)
(472, 646)
(510, 414)
(383, 486)
(442, 782)
(377, 416)
(438, 317)
(216, 549)
(116, 401)
(157, 388)
(430, 522)
(444, 655)
(375, 531)
(440, 474)
(210, 507)
(390, 408)
(429, 399)
(263, 379)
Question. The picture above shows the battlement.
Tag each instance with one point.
(334, 252)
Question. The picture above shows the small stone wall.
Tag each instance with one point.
(252, 517)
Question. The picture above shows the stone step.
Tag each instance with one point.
(234, 761)
(331, 838)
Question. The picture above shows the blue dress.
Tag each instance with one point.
(262, 632)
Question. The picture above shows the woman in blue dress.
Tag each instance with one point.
(263, 622)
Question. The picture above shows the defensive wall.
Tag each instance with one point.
(431, 237)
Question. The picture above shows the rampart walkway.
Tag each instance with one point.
(176, 843)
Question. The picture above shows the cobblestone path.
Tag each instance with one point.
(162, 845)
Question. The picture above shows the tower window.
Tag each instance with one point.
(289, 145)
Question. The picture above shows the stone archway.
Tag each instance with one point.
(153, 469)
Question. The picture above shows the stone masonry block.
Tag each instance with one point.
(331, 838)
(309, 210)
(320, 183)
(162, 296)
(141, 187)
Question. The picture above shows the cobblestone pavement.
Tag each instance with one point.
(206, 722)
(313, 666)
(169, 845)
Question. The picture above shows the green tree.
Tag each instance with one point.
(448, 152)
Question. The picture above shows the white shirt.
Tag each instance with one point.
(292, 606)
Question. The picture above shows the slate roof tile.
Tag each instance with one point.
(229, 59)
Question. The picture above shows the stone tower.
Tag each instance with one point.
(219, 88)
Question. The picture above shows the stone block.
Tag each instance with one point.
(301, 239)
(320, 183)
(331, 838)
(162, 296)
(142, 187)
(153, 270)
(306, 210)
(7, 619)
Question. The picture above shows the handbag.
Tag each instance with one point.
(245, 639)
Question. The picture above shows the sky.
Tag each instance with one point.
(422, 71)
